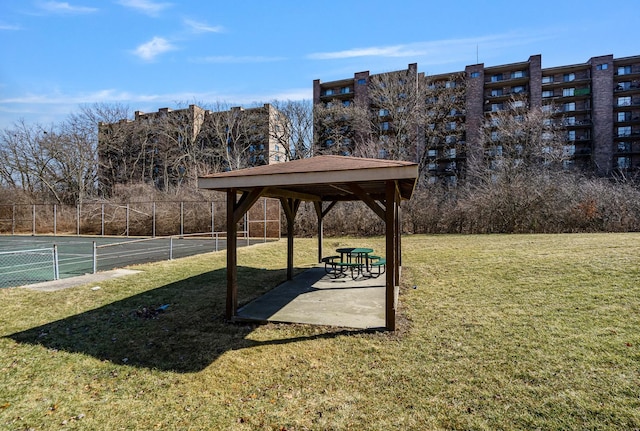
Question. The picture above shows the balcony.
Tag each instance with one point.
(506, 78)
(342, 93)
(582, 152)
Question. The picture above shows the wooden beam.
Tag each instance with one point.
(318, 207)
(277, 192)
(246, 202)
(232, 256)
(367, 199)
(290, 207)
(329, 208)
(391, 248)
(398, 229)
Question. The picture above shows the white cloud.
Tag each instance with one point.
(145, 6)
(156, 46)
(200, 27)
(57, 105)
(437, 51)
(65, 7)
(229, 59)
(385, 51)
(9, 27)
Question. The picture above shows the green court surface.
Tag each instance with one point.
(76, 254)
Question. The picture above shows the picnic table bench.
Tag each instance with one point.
(357, 260)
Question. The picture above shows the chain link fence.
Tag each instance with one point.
(144, 219)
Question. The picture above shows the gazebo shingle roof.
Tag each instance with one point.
(320, 178)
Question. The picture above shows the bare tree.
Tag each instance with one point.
(341, 128)
(404, 116)
(29, 156)
(291, 126)
(518, 141)
(236, 138)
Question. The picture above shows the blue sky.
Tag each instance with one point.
(148, 54)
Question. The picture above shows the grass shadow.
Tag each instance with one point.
(178, 327)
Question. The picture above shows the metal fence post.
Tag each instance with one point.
(213, 225)
(33, 221)
(181, 218)
(153, 225)
(127, 220)
(264, 202)
(102, 219)
(13, 220)
(56, 268)
(170, 248)
(246, 226)
(95, 258)
(77, 219)
(55, 219)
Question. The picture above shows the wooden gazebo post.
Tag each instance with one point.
(391, 211)
(236, 209)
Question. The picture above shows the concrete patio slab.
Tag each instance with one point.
(315, 298)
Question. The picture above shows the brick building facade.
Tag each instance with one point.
(598, 102)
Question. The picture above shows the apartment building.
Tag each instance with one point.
(598, 102)
(171, 147)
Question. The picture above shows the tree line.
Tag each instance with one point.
(517, 178)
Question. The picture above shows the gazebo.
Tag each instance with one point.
(325, 181)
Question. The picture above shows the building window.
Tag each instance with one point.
(384, 125)
(451, 153)
(495, 136)
(346, 103)
(432, 153)
(475, 74)
(571, 135)
(362, 81)
(570, 121)
(568, 150)
(569, 107)
(624, 101)
(567, 92)
(625, 85)
(517, 74)
(624, 116)
(603, 66)
(495, 107)
(383, 112)
(450, 84)
(497, 92)
(624, 147)
(433, 166)
(624, 70)
(547, 108)
(517, 104)
(517, 89)
(496, 78)
(547, 79)
(345, 90)
(568, 77)
(624, 131)
(328, 92)
(624, 162)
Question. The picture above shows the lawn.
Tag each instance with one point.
(496, 332)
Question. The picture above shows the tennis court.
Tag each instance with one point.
(32, 259)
